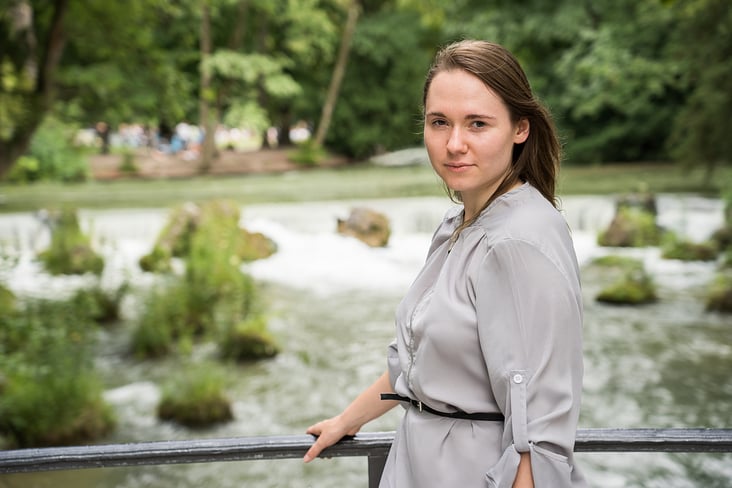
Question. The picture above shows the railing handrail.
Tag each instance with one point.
(373, 445)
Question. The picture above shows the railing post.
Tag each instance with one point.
(376, 467)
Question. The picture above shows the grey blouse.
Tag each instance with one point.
(491, 325)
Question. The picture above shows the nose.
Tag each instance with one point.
(456, 142)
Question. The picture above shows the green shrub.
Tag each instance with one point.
(162, 321)
(128, 166)
(195, 397)
(52, 156)
(213, 295)
(308, 153)
(70, 251)
(157, 261)
(7, 301)
(51, 394)
(101, 305)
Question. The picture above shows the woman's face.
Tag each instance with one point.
(469, 136)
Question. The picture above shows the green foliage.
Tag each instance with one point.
(157, 261)
(195, 397)
(128, 165)
(213, 295)
(380, 104)
(45, 356)
(70, 251)
(699, 136)
(163, 321)
(308, 153)
(7, 299)
(103, 306)
(52, 156)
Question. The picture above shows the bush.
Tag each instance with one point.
(102, 306)
(162, 321)
(195, 398)
(52, 156)
(214, 294)
(70, 251)
(51, 394)
(308, 153)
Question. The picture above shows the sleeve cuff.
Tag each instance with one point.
(548, 468)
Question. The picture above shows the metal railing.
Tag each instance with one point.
(374, 446)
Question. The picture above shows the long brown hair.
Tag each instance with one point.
(536, 160)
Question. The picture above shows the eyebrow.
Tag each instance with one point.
(467, 117)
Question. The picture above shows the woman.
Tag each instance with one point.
(488, 355)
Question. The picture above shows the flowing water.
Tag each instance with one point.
(331, 301)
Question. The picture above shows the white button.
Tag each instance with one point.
(517, 378)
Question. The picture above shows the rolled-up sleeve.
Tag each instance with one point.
(529, 313)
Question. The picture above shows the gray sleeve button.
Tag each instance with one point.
(517, 378)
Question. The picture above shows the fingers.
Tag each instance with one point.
(314, 450)
(327, 434)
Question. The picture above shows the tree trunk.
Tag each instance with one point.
(206, 113)
(41, 72)
(338, 72)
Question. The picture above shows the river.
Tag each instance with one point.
(331, 302)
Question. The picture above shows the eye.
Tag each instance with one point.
(478, 124)
(438, 122)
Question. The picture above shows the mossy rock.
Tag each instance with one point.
(249, 341)
(631, 227)
(196, 398)
(719, 297)
(722, 237)
(255, 245)
(175, 240)
(690, 251)
(634, 289)
(630, 283)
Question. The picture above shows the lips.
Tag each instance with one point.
(457, 166)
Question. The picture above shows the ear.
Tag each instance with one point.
(522, 131)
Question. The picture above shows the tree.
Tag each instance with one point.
(700, 131)
(379, 106)
(32, 40)
(338, 71)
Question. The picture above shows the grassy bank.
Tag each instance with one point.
(359, 181)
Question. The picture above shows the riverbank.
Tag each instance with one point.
(266, 177)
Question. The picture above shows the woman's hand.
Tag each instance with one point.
(328, 432)
(366, 407)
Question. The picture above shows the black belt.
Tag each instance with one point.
(494, 416)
